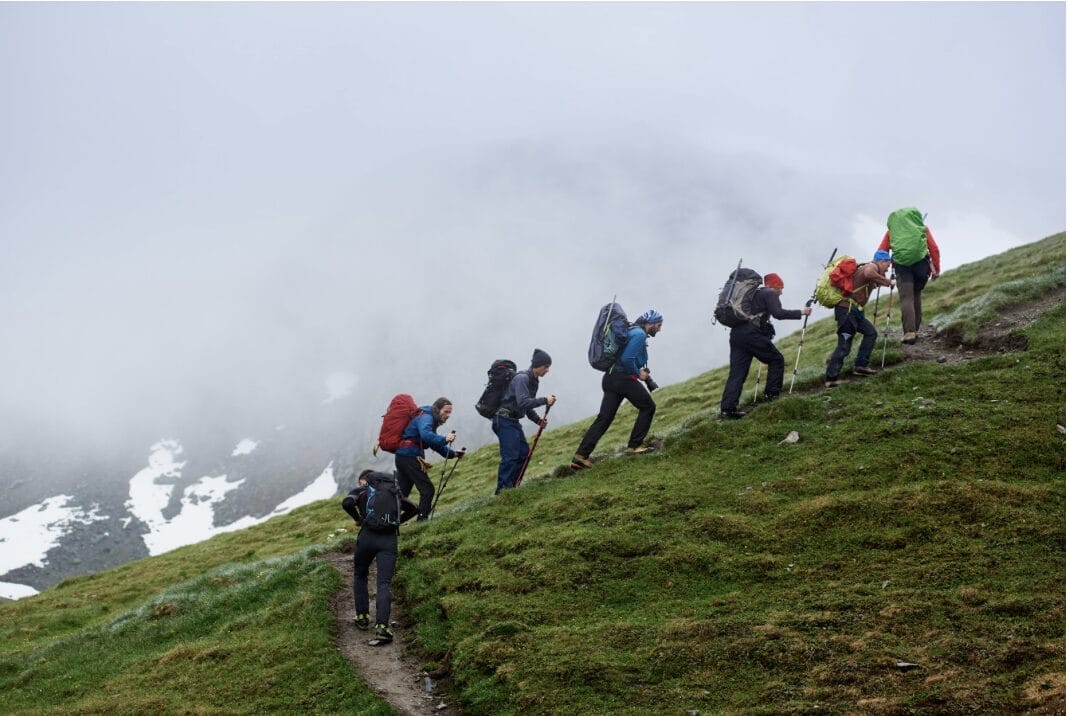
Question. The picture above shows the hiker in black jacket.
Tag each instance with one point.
(754, 339)
(380, 545)
(519, 401)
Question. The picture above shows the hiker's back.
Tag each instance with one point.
(906, 236)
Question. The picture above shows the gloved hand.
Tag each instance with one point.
(460, 453)
(542, 423)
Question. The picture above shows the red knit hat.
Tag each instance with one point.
(771, 280)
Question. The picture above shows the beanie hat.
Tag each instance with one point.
(540, 358)
(882, 256)
(771, 280)
(650, 317)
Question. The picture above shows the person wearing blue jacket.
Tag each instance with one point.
(519, 401)
(409, 458)
(624, 381)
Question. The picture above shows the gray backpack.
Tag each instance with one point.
(735, 302)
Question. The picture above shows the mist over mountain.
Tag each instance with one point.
(253, 223)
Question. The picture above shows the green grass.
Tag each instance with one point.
(921, 517)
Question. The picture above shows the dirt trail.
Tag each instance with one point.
(387, 670)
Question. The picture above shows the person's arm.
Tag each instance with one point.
(934, 252)
(872, 275)
(354, 505)
(525, 402)
(772, 304)
(629, 357)
(886, 242)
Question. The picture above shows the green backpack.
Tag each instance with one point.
(836, 284)
(906, 233)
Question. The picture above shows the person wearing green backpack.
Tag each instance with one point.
(851, 319)
(915, 259)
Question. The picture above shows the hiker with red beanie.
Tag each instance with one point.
(754, 339)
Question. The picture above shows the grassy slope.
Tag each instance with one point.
(726, 573)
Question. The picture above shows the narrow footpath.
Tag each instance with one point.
(387, 670)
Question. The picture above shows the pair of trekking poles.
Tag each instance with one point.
(444, 478)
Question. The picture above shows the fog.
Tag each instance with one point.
(225, 215)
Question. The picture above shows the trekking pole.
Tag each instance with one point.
(757, 382)
(441, 481)
(877, 305)
(887, 323)
(531, 450)
(806, 319)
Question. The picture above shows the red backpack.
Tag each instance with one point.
(399, 414)
(842, 277)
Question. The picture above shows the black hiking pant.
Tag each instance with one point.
(383, 548)
(911, 280)
(849, 321)
(616, 388)
(746, 343)
(410, 473)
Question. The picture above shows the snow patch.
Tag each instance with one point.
(321, 488)
(28, 536)
(11, 590)
(245, 447)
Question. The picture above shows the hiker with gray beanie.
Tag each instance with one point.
(519, 401)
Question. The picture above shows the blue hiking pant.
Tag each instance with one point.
(513, 448)
(850, 321)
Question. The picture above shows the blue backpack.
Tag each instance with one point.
(609, 336)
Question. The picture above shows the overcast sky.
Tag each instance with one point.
(207, 210)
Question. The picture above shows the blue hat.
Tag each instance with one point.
(882, 256)
(649, 317)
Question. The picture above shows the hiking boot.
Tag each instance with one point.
(643, 450)
(834, 383)
(362, 621)
(864, 370)
(383, 635)
(732, 414)
(581, 463)
(767, 398)
(910, 338)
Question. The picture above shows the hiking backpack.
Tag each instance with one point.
(608, 337)
(498, 377)
(906, 236)
(382, 509)
(837, 282)
(736, 299)
(399, 414)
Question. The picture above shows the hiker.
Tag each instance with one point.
(851, 319)
(409, 457)
(623, 381)
(379, 542)
(519, 400)
(915, 259)
(754, 339)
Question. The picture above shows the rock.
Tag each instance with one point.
(441, 706)
(791, 439)
(429, 685)
(1061, 429)
(885, 583)
(941, 359)
(906, 665)
(923, 401)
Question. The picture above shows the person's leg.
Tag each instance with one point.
(844, 336)
(638, 396)
(869, 339)
(410, 473)
(904, 276)
(921, 277)
(738, 368)
(762, 348)
(385, 560)
(606, 412)
(514, 450)
(362, 559)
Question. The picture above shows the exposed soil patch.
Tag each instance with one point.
(999, 336)
(390, 671)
